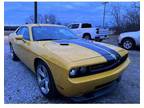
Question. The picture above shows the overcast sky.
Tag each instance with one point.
(66, 12)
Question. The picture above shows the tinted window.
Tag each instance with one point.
(52, 33)
(24, 32)
(86, 25)
(20, 31)
(69, 26)
(74, 26)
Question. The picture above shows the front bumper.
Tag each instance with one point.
(102, 90)
(82, 85)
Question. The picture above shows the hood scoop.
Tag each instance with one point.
(64, 44)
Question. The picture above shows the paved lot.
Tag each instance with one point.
(21, 86)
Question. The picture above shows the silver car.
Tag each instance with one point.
(129, 40)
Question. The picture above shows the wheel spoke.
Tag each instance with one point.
(43, 79)
(127, 44)
(42, 82)
(44, 90)
(40, 72)
(44, 69)
(46, 85)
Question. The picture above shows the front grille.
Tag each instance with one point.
(99, 68)
(94, 69)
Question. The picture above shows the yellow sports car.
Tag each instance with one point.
(65, 63)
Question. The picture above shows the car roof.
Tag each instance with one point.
(32, 25)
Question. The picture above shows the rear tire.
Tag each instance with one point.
(45, 80)
(87, 37)
(13, 55)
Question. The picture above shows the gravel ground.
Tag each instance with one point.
(21, 86)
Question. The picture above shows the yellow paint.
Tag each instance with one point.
(61, 59)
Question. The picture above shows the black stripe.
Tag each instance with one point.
(89, 45)
(116, 54)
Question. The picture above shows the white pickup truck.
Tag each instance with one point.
(85, 30)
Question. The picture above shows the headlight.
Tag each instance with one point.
(75, 72)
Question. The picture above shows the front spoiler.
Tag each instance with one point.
(99, 92)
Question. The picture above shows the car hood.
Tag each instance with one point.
(130, 33)
(79, 50)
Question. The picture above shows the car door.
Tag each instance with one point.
(16, 42)
(75, 28)
(24, 47)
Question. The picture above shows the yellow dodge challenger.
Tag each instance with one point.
(65, 63)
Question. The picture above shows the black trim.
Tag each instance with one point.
(99, 68)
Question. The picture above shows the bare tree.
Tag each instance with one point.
(48, 19)
(129, 21)
(30, 19)
(52, 19)
(116, 13)
(136, 5)
(132, 20)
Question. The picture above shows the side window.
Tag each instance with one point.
(69, 26)
(20, 31)
(74, 26)
(25, 32)
(85, 25)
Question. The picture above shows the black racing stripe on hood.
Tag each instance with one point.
(115, 53)
(89, 45)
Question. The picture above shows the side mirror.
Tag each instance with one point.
(19, 37)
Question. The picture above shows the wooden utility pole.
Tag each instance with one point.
(35, 13)
(104, 3)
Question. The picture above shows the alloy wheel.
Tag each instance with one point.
(43, 79)
(127, 44)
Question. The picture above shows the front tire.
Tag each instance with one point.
(98, 40)
(128, 44)
(45, 80)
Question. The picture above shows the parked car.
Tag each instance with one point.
(87, 31)
(129, 40)
(65, 63)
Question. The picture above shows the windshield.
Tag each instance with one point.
(52, 33)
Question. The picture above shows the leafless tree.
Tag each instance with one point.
(116, 13)
(136, 5)
(129, 21)
(30, 19)
(48, 19)
(52, 19)
(132, 20)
